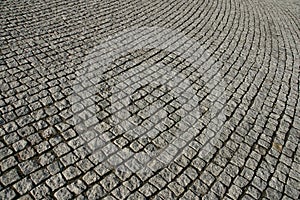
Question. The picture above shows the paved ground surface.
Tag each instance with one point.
(150, 99)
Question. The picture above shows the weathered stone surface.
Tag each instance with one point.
(149, 99)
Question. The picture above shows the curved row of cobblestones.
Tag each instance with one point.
(150, 99)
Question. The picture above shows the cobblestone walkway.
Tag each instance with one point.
(136, 99)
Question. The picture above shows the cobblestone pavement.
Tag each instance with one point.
(178, 99)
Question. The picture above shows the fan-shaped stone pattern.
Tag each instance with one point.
(59, 141)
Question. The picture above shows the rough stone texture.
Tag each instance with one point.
(179, 99)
